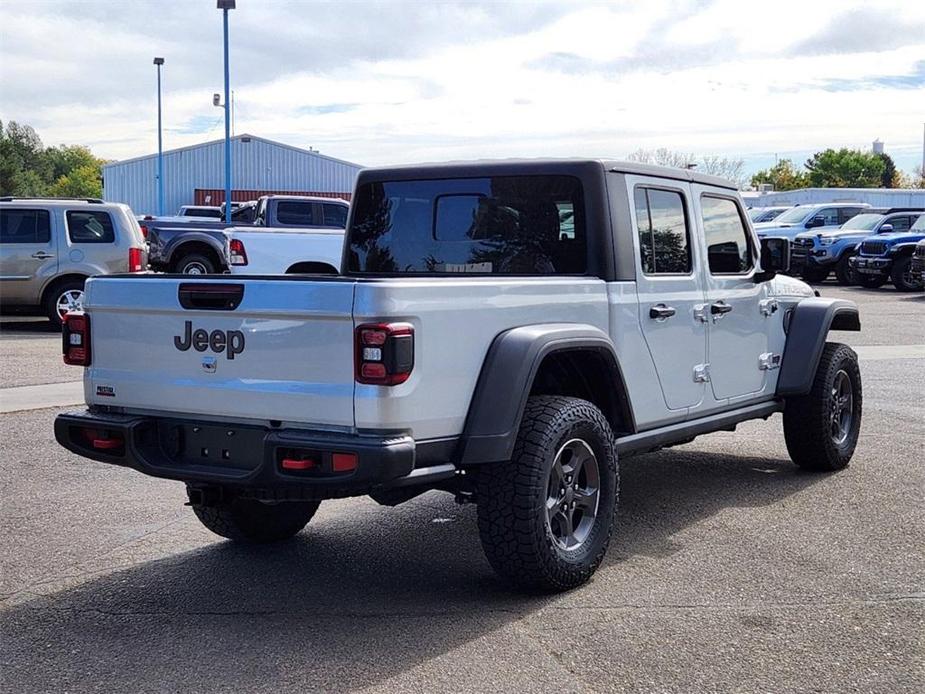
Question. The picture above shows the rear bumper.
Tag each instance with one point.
(250, 457)
(871, 266)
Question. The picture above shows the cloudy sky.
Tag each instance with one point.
(401, 81)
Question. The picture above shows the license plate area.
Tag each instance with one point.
(190, 444)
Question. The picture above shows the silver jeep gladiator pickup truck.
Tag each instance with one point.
(503, 331)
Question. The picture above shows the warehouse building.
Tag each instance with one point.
(196, 174)
(876, 197)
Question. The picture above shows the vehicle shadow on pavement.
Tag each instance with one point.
(354, 600)
(41, 326)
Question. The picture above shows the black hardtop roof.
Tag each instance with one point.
(533, 167)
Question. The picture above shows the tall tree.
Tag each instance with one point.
(724, 167)
(891, 176)
(783, 176)
(845, 168)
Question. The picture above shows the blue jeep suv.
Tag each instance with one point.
(815, 255)
(889, 257)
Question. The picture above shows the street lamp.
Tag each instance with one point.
(160, 144)
(224, 6)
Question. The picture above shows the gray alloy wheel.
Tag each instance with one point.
(69, 300)
(842, 407)
(573, 494)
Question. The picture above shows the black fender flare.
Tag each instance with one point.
(507, 375)
(808, 326)
(177, 242)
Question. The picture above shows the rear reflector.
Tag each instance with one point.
(134, 260)
(384, 353)
(75, 339)
(343, 462)
(298, 463)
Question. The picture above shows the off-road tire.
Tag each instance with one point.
(183, 265)
(843, 272)
(252, 521)
(815, 275)
(871, 281)
(516, 536)
(808, 418)
(899, 273)
(54, 293)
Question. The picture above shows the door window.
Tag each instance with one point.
(664, 237)
(24, 226)
(295, 213)
(901, 223)
(90, 226)
(728, 248)
(846, 213)
(334, 215)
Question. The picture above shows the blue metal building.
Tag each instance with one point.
(195, 174)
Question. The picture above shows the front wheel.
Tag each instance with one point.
(844, 273)
(545, 517)
(253, 521)
(902, 276)
(821, 428)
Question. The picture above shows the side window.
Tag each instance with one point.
(728, 248)
(299, 213)
(24, 226)
(90, 226)
(846, 213)
(829, 215)
(901, 223)
(664, 237)
(334, 215)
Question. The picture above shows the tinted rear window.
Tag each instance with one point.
(24, 226)
(294, 213)
(526, 225)
(334, 215)
(90, 227)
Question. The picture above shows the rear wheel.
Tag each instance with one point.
(195, 264)
(821, 428)
(902, 276)
(545, 518)
(249, 520)
(845, 274)
(63, 297)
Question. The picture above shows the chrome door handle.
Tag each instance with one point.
(661, 312)
(719, 309)
(42, 255)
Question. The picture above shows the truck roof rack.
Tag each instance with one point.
(14, 198)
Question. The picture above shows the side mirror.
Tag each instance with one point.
(885, 229)
(815, 222)
(775, 257)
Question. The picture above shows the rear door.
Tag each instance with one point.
(738, 330)
(249, 349)
(28, 253)
(670, 287)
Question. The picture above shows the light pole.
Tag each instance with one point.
(160, 144)
(224, 6)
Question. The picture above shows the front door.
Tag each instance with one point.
(670, 287)
(27, 254)
(738, 324)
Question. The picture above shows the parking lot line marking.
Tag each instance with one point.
(40, 397)
(878, 352)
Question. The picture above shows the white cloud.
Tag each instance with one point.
(465, 81)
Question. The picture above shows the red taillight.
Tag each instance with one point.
(384, 353)
(144, 230)
(236, 252)
(134, 260)
(75, 337)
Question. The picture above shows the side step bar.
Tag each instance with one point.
(654, 439)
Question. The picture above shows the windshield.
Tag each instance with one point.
(528, 225)
(864, 222)
(919, 224)
(797, 214)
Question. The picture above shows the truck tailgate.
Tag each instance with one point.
(283, 352)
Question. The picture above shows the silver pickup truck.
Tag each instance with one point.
(504, 332)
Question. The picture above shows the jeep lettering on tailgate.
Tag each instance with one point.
(229, 341)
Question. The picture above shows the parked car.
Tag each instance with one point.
(199, 249)
(50, 246)
(917, 267)
(889, 257)
(822, 217)
(283, 251)
(205, 211)
(815, 255)
(502, 331)
(765, 214)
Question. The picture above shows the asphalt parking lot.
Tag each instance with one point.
(729, 571)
